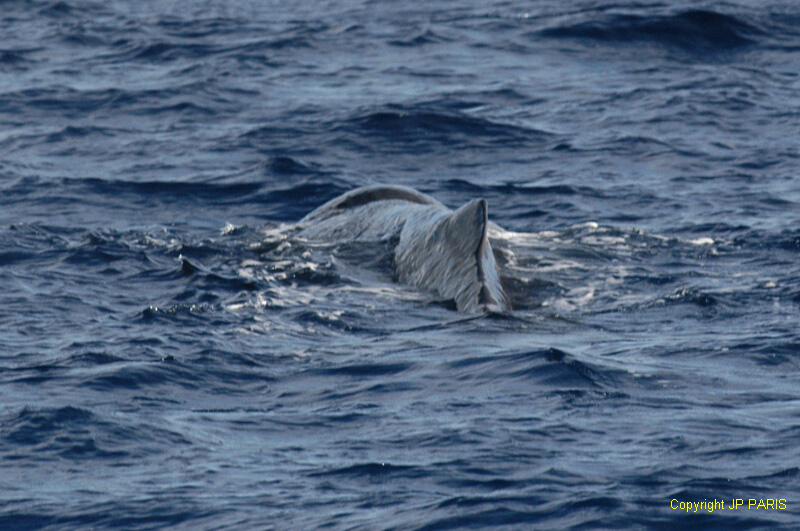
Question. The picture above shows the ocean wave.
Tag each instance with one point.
(694, 30)
(365, 370)
(549, 367)
(512, 189)
(77, 433)
(166, 191)
(164, 52)
(76, 103)
(418, 125)
(283, 165)
(420, 39)
(371, 470)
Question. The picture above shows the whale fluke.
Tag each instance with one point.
(454, 258)
(444, 252)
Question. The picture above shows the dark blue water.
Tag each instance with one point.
(171, 356)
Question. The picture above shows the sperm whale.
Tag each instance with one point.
(440, 251)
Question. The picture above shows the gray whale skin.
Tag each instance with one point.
(440, 251)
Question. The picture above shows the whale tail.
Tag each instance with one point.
(456, 260)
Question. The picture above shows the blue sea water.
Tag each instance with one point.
(171, 357)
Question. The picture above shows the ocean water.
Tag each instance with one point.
(171, 357)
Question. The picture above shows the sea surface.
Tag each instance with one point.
(171, 356)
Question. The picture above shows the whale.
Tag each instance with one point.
(445, 253)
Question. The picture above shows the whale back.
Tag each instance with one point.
(369, 213)
(366, 195)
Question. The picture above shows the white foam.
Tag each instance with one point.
(591, 225)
